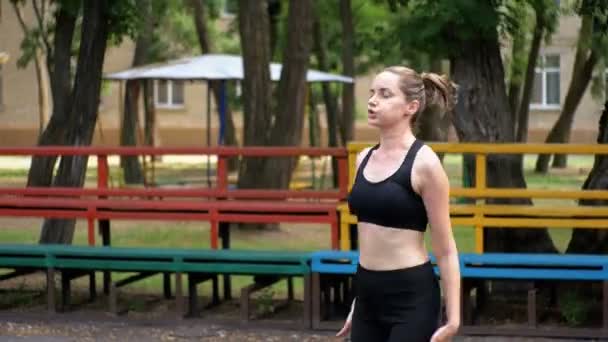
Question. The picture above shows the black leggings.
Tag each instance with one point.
(396, 305)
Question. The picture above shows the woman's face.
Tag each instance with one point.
(387, 105)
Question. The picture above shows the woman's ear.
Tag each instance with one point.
(411, 107)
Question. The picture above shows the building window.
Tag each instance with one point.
(545, 93)
(169, 94)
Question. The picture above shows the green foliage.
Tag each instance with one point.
(374, 37)
(265, 301)
(124, 20)
(573, 308)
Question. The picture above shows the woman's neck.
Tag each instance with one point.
(396, 137)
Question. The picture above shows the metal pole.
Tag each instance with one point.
(208, 133)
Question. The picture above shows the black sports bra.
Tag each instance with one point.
(391, 202)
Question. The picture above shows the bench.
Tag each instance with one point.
(198, 265)
(329, 267)
(478, 268)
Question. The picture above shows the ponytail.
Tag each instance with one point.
(439, 92)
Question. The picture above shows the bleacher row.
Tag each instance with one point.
(326, 275)
(319, 270)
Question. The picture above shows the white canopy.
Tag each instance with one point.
(211, 67)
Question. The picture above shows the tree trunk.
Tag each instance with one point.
(523, 114)
(347, 123)
(82, 111)
(200, 22)
(329, 98)
(483, 115)
(43, 99)
(58, 66)
(132, 171)
(254, 33)
(517, 74)
(128, 133)
(584, 63)
(594, 241)
(150, 129)
(289, 121)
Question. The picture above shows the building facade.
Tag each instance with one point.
(181, 106)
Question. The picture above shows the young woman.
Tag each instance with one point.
(400, 187)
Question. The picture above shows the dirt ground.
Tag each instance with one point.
(88, 326)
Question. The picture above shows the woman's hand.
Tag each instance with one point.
(445, 333)
(347, 325)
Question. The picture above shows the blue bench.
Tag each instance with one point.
(331, 265)
(336, 265)
(477, 268)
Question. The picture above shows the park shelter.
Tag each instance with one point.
(211, 67)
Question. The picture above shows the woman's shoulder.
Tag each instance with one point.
(427, 159)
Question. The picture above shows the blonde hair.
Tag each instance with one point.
(431, 90)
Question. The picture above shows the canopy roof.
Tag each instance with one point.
(211, 67)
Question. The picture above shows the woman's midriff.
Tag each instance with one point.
(383, 248)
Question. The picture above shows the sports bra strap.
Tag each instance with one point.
(366, 158)
(404, 175)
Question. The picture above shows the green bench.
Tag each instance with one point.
(198, 265)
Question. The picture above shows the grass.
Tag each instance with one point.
(290, 237)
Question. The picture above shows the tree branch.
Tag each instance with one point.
(20, 17)
(40, 18)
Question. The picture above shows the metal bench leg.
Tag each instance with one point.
(290, 288)
(192, 296)
(316, 300)
(227, 287)
(179, 298)
(50, 290)
(167, 285)
(113, 298)
(104, 228)
(224, 228)
(307, 309)
(92, 287)
(245, 292)
(66, 282)
(216, 289)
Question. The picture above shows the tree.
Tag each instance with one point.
(263, 125)
(58, 59)
(329, 98)
(75, 99)
(253, 29)
(467, 33)
(546, 17)
(347, 122)
(594, 241)
(128, 131)
(82, 111)
(591, 47)
(289, 117)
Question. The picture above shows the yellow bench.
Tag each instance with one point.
(481, 215)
